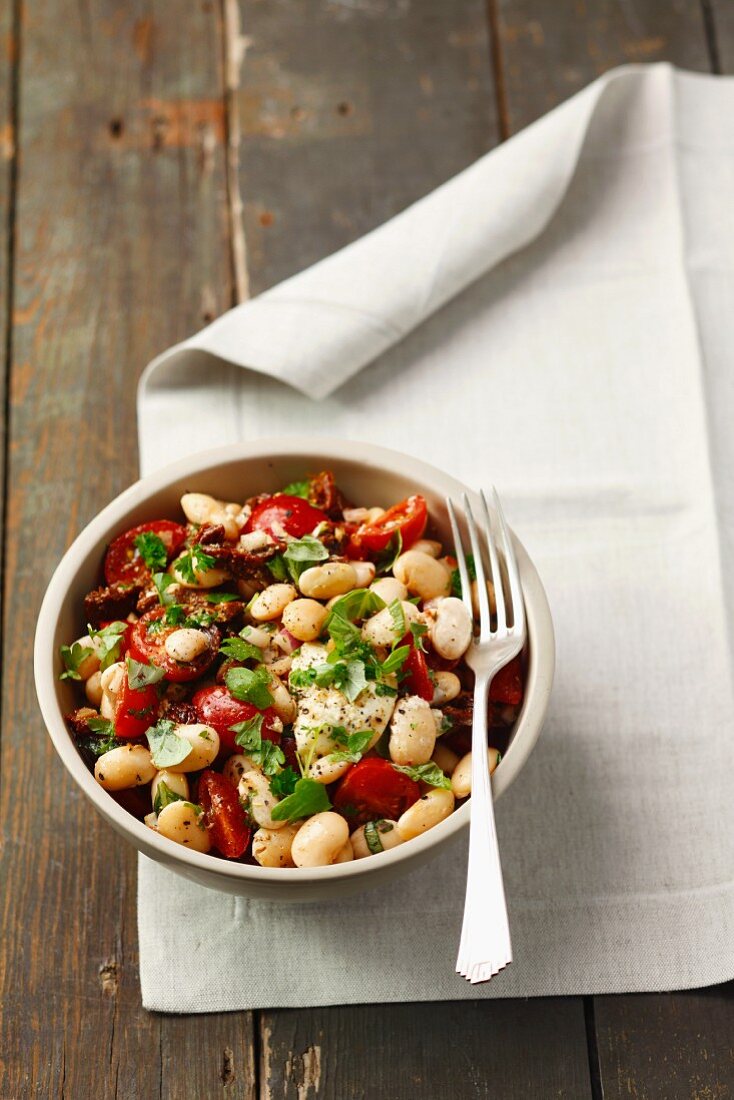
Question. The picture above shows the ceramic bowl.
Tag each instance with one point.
(368, 474)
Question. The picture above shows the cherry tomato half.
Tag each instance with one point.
(219, 709)
(135, 710)
(123, 563)
(147, 644)
(373, 789)
(296, 516)
(224, 817)
(409, 518)
(416, 676)
(506, 687)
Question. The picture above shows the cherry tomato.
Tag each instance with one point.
(506, 687)
(296, 516)
(224, 817)
(123, 563)
(147, 644)
(409, 518)
(373, 789)
(135, 710)
(219, 709)
(415, 671)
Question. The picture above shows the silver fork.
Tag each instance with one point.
(485, 947)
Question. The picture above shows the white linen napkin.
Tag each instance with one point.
(554, 320)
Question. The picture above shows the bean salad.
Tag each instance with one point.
(282, 682)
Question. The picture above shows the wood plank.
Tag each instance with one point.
(721, 23)
(550, 51)
(349, 112)
(122, 249)
(8, 72)
(529, 1049)
(678, 1045)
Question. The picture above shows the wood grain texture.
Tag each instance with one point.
(549, 51)
(350, 111)
(121, 250)
(720, 14)
(678, 1046)
(532, 1050)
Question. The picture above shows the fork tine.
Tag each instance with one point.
(485, 625)
(460, 558)
(494, 561)
(513, 573)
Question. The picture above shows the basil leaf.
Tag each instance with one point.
(102, 726)
(385, 689)
(301, 554)
(372, 831)
(268, 756)
(240, 650)
(418, 630)
(164, 796)
(108, 642)
(385, 561)
(284, 782)
(426, 773)
(162, 582)
(309, 797)
(356, 680)
(152, 550)
(166, 747)
(250, 686)
(358, 604)
(398, 620)
(456, 576)
(221, 597)
(141, 676)
(396, 660)
(278, 567)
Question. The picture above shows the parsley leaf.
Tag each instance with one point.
(297, 489)
(140, 676)
(240, 650)
(268, 756)
(250, 686)
(309, 797)
(108, 642)
(166, 747)
(278, 567)
(164, 796)
(221, 597)
(162, 582)
(426, 773)
(301, 554)
(456, 576)
(73, 657)
(152, 550)
(249, 733)
(192, 562)
(104, 738)
(284, 782)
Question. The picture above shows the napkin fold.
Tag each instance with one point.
(553, 320)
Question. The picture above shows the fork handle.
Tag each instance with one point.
(485, 939)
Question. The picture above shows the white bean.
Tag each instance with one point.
(324, 770)
(380, 628)
(304, 619)
(184, 823)
(346, 854)
(435, 806)
(256, 787)
(389, 589)
(428, 546)
(423, 575)
(272, 847)
(236, 767)
(227, 521)
(111, 682)
(203, 578)
(383, 835)
(320, 840)
(412, 731)
(365, 571)
(175, 781)
(186, 644)
(90, 664)
(93, 689)
(461, 775)
(260, 636)
(197, 507)
(445, 757)
(333, 578)
(124, 767)
(272, 602)
(451, 629)
(283, 705)
(446, 687)
(255, 540)
(204, 741)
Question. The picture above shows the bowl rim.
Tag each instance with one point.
(540, 672)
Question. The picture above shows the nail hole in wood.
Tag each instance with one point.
(344, 108)
(116, 127)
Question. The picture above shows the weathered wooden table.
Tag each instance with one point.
(158, 162)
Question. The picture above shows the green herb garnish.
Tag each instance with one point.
(297, 489)
(164, 796)
(284, 782)
(166, 747)
(309, 797)
(152, 550)
(192, 562)
(108, 642)
(250, 686)
(240, 650)
(74, 657)
(426, 773)
(141, 676)
(301, 554)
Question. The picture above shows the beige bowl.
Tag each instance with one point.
(368, 474)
